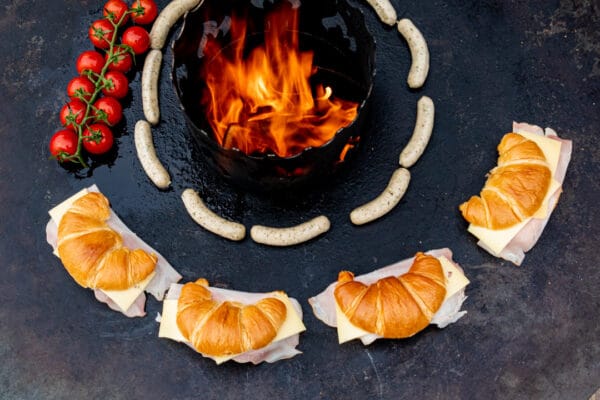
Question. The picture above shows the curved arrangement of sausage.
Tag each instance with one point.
(369, 212)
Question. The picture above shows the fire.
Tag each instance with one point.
(264, 102)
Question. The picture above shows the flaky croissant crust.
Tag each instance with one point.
(226, 328)
(394, 307)
(515, 189)
(93, 253)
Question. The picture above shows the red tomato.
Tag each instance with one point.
(73, 111)
(144, 11)
(63, 144)
(90, 61)
(116, 11)
(137, 38)
(80, 87)
(97, 139)
(123, 60)
(118, 85)
(108, 110)
(101, 33)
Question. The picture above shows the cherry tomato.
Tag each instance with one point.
(116, 10)
(123, 58)
(101, 33)
(108, 110)
(80, 86)
(145, 11)
(118, 85)
(63, 144)
(97, 139)
(90, 61)
(73, 111)
(137, 38)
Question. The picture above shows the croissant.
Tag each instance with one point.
(93, 254)
(226, 328)
(394, 307)
(515, 189)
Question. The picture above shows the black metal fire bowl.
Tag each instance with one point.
(344, 55)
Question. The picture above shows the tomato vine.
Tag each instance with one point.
(103, 36)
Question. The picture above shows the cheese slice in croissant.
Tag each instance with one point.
(396, 301)
(394, 307)
(513, 242)
(93, 253)
(225, 324)
(515, 190)
(226, 328)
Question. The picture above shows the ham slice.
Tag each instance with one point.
(528, 236)
(275, 351)
(323, 304)
(165, 274)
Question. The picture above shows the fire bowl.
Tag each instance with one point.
(344, 53)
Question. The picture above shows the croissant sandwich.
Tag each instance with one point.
(224, 324)
(515, 189)
(93, 253)
(520, 193)
(394, 302)
(100, 253)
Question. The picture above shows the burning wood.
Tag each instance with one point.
(265, 102)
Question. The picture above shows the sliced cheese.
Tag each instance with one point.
(169, 329)
(455, 282)
(544, 209)
(456, 279)
(550, 148)
(345, 329)
(123, 298)
(168, 322)
(497, 239)
(57, 212)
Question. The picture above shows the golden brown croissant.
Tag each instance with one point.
(226, 328)
(515, 189)
(93, 253)
(394, 307)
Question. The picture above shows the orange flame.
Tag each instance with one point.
(264, 103)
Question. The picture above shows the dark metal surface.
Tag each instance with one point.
(530, 332)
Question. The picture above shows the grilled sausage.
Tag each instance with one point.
(147, 155)
(421, 134)
(385, 11)
(385, 202)
(292, 235)
(210, 221)
(418, 51)
(150, 86)
(165, 20)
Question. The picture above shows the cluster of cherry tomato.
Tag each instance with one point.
(94, 96)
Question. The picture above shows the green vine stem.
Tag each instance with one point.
(100, 82)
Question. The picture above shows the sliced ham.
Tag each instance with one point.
(158, 286)
(531, 232)
(279, 350)
(323, 304)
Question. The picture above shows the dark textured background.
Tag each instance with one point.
(530, 332)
